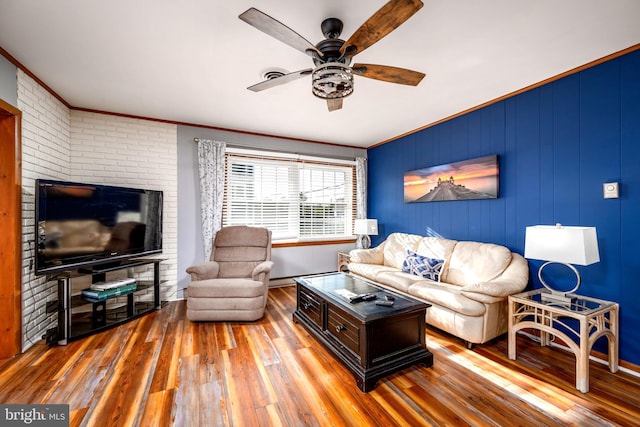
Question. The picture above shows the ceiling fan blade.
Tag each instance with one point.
(386, 19)
(277, 81)
(334, 104)
(389, 74)
(278, 30)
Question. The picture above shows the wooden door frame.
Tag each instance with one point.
(11, 226)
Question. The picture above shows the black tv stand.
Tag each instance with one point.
(116, 265)
(79, 316)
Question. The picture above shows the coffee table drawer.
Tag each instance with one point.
(310, 305)
(344, 328)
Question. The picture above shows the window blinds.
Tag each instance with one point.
(296, 198)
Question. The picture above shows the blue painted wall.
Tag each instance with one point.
(557, 145)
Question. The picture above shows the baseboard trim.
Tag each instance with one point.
(288, 281)
(281, 282)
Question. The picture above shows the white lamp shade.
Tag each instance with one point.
(570, 245)
(366, 226)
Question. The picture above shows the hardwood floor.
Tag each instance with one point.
(162, 370)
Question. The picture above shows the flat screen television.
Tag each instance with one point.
(84, 225)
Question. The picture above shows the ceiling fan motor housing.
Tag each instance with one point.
(330, 46)
(331, 28)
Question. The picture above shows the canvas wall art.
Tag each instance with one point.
(466, 180)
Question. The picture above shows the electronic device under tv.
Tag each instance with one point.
(85, 225)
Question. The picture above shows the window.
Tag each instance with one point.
(297, 198)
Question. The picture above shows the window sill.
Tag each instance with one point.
(290, 244)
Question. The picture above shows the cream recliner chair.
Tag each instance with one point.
(234, 284)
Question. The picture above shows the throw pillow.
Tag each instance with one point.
(423, 266)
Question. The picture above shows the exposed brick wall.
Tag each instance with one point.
(113, 150)
(45, 154)
(88, 147)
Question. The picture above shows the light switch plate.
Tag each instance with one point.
(610, 190)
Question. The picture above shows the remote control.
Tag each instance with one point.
(384, 303)
(363, 297)
(369, 297)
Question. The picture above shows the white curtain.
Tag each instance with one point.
(211, 167)
(361, 187)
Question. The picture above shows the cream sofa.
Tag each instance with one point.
(470, 298)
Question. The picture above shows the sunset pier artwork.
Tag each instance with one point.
(465, 180)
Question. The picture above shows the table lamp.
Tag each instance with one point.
(364, 228)
(562, 245)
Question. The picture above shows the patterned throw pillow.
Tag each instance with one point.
(422, 266)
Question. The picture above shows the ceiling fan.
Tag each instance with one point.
(332, 76)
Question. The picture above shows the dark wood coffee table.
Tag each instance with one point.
(372, 341)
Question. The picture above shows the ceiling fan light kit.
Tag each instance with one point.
(332, 80)
(332, 77)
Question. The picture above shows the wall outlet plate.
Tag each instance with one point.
(610, 190)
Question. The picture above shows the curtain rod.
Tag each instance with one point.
(244, 150)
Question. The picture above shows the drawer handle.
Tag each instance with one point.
(340, 328)
(305, 305)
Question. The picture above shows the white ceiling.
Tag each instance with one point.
(190, 61)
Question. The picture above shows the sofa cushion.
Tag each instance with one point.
(437, 247)
(226, 288)
(369, 271)
(395, 248)
(242, 235)
(238, 249)
(473, 262)
(447, 296)
(423, 266)
(513, 279)
(397, 279)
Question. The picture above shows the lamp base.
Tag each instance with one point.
(363, 241)
(556, 295)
